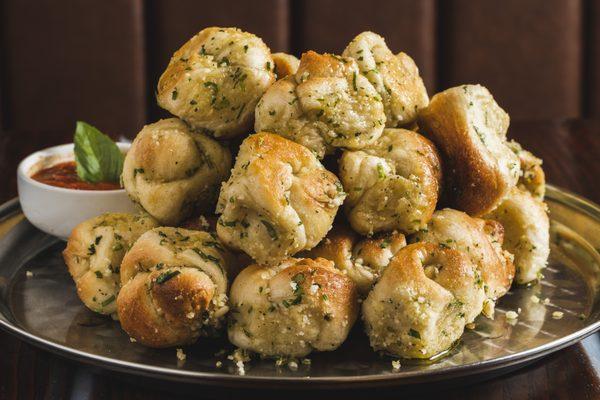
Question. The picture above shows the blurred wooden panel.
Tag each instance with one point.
(171, 23)
(407, 25)
(73, 59)
(592, 84)
(528, 53)
(2, 78)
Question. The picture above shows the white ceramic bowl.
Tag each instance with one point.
(56, 210)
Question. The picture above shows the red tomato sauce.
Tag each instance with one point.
(64, 175)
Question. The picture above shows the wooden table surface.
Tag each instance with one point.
(571, 153)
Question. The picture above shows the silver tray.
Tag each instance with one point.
(38, 303)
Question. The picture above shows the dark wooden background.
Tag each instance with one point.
(99, 61)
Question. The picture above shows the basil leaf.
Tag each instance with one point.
(98, 158)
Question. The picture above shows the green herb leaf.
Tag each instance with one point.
(165, 276)
(270, 229)
(98, 158)
(108, 301)
(414, 333)
(381, 171)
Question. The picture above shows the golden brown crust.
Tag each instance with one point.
(94, 253)
(292, 309)
(470, 130)
(422, 302)
(395, 77)
(525, 225)
(532, 177)
(278, 201)
(326, 104)
(138, 313)
(393, 184)
(336, 246)
(362, 260)
(174, 287)
(285, 64)
(480, 239)
(167, 160)
(215, 79)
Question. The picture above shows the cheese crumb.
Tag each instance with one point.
(511, 315)
(132, 340)
(204, 223)
(29, 274)
(535, 299)
(293, 365)
(180, 355)
(240, 367)
(396, 365)
(546, 301)
(218, 364)
(314, 288)
(557, 314)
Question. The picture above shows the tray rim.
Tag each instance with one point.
(220, 379)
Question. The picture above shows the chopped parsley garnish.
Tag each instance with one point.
(272, 232)
(165, 276)
(214, 88)
(207, 257)
(227, 223)
(191, 171)
(414, 333)
(108, 301)
(214, 244)
(385, 243)
(380, 171)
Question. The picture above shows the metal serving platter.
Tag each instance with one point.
(38, 303)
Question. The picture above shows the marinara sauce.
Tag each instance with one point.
(65, 175)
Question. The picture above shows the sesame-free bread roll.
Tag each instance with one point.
(481, 240)
(423, 301)
(362, 259)
(326, 104)
(469, 128)
(395, 77)
(526, 233)
(215, 79)
(392, 184)
(174, 287)
(94, 253)
(279, 200)
(172, 171)
(292, 309)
